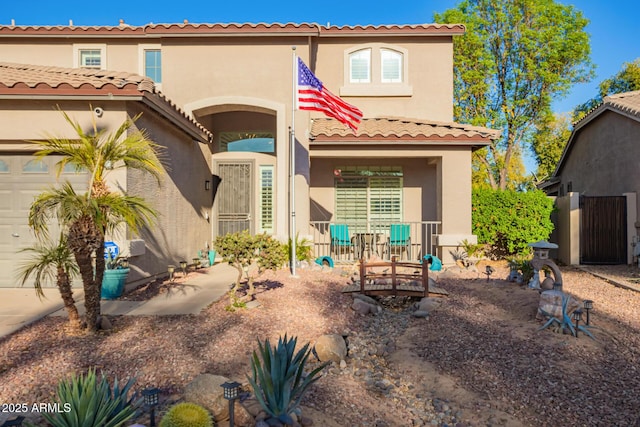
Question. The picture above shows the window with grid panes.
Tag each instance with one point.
(366, 195)
(90, 58)
(153, 64)
(266, 198)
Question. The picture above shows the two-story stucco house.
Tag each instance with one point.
(220, 98)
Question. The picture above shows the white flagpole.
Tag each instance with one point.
(292, 162)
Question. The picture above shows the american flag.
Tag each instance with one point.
(312, 95)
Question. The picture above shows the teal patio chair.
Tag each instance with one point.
(399, 240)
(340, 240)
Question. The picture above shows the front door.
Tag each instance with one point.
(234, 197)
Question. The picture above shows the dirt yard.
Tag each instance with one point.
(478, 360)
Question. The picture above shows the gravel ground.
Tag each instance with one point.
(478, 360)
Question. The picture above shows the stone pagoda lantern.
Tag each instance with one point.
(540, 260)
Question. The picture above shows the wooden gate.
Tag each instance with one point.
(603, 231)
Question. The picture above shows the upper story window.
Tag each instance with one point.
(90, 56)
(150, 62)
(360, 66)
(376, 69)
(390, 66)
(153, 65)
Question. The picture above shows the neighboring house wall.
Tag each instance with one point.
(604, 158)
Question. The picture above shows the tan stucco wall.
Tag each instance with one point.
(567, 228)
(184, 206)
(22, 120)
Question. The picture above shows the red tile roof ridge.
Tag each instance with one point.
(128, 29)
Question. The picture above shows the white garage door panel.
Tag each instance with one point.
(18, 190)
(6, 201)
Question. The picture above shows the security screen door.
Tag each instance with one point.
(234, 197)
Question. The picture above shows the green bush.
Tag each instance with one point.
(241, 249)
(88, 402)
(186, 415)
(507, 221)
(278, 379)
(304, 249)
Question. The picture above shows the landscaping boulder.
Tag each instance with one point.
(206, 391)
(331, 348)
(365, 308)
(428, 304)
(551, 304)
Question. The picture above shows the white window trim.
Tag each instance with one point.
(141, 66)
(93, 46)
(376, 87)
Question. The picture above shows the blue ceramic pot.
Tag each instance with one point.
(113, 283)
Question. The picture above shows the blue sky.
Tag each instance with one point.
(614, 34)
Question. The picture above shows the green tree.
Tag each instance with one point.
(549, 142)
(86, 217)
(626, 80)
(514, 59)
(52, 262)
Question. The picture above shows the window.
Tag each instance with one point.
(35, 166)
(256, 142)
(4, 167)
(360, 66)
(368, 194)
(153, 65)
(266, 198)
(391, 63)
(90, 56)
(376, 69)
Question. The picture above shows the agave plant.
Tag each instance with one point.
(565, 323)
(278, 379)
(89, 402)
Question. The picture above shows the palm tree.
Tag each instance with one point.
(52, 262)
(87, 217)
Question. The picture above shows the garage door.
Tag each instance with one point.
(21, 179)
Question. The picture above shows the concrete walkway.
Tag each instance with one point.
(21, 306)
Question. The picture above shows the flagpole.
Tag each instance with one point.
(292, 162)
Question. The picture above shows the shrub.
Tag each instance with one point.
(241, 249)
(186, 415)
(506, 220)
(92, 403)
(304, 249)
(278, 379)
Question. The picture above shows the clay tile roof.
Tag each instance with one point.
(17, 78)
(628, 102)
(394, 128)
(188, 29)
(24, 79)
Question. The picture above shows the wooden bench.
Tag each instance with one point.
(392, 278)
